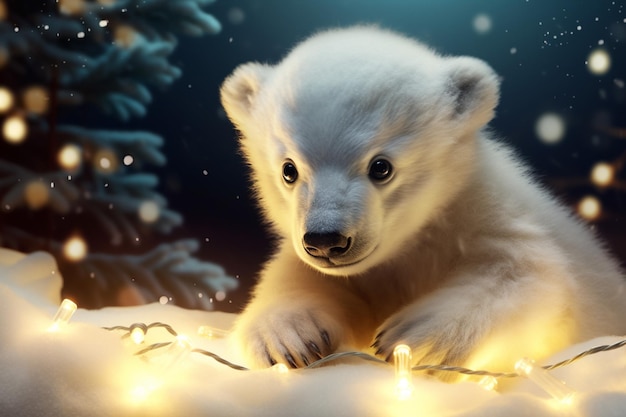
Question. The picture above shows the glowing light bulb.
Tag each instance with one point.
(176, 353)
(14, 129)
(69, 157)
(542, 378)
(63, 315)
(280, 368)
(589, 208)
(138, 333)
(75, 248)
(488, 383)
(599, 62)
(602, 174)
(212, 332)
(6, 99)
(402, 364)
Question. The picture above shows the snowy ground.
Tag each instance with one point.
(83, 370)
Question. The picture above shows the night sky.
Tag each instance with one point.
(540, 49)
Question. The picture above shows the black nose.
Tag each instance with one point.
(326, 245)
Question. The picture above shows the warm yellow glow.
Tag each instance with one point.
(281, 368)
(15, 129)
(489, 383)
(212, 332)
(36, 195)
(35, 100)
(105, 161)
(69, 157)
(176, 353)
(602, 174)
(599, 62)
(137, 335)
(124, 36)
(71, 7)
(149, 211)
(550, 128)
(63, 315)
(6, 100)
(589, 208)
(75, 248)
(402, 364)
(543, 379)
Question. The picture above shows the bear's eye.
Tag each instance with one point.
(290, 173)
(380, 170)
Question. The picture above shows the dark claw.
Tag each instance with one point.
(314, 349)
(305, 360)
(270, 359)
(325, 337)
(291, 361)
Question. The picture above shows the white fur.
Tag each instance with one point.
(459, 254)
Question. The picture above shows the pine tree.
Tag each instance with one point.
(83, 193)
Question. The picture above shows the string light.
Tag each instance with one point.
(542, 378)
(138, 333)
(63, 315)
(212, 332)
(105, 161)
(181, 347)
(280, 368)
(402, 364)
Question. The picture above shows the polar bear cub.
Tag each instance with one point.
(400, 220)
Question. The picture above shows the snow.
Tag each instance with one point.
(84, 370)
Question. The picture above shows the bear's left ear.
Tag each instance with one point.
(240, 89)
(473, 87)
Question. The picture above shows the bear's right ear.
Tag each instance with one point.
(239, 90)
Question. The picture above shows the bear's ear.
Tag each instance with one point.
(473, 88)
(239, 90)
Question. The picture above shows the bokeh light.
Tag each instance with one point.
(602, 174)
(3, 10)
(128, 160)
(550, 128)
(236, 16)
(589, 208)
(75, 248)
(69, 157)
(35, 100)
(599, 61)
(105, 161)
(482, 23)
(4, 56)
(149, 211)
(36, 195)
(124, 36)
(15, 129)
(71, 7)
(6, 99)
